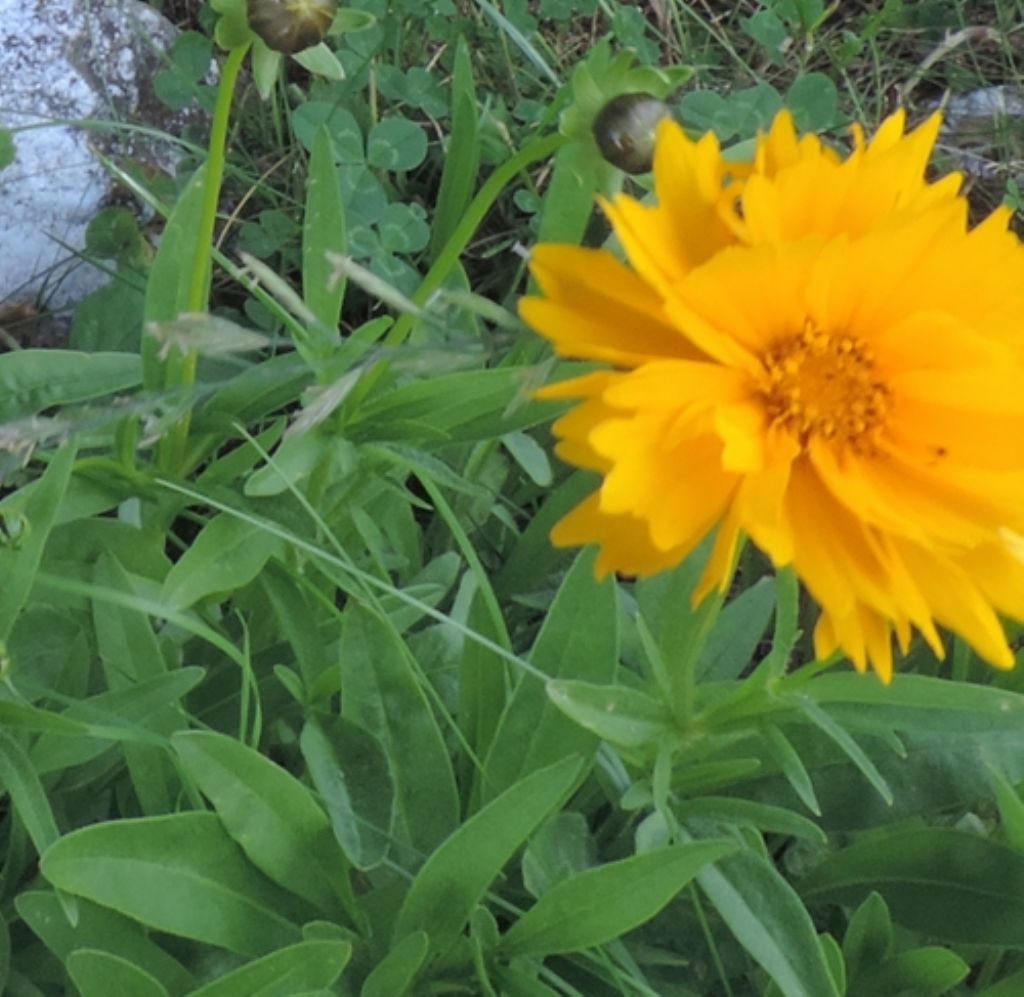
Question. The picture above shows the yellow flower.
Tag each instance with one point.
(815, 352)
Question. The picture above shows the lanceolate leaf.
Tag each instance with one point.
(98, 974)
(948, 884)
(271, 815)
(168, 286)
(27, 529)
(34, 380)
(598, 905)
(624, 717)
(20, 780)
(579, 640)
(350, 771)
(181, 874)
(323, 231)
(917, 703)
(460, 165)
(100, 928)
(393, 975)
(380, 691)
(768, 919)
(454, 878)
(227, 554)
(298, 969)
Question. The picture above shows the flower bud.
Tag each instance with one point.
(290, 26)
(625, 127)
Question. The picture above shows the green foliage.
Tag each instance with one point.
(297, 696)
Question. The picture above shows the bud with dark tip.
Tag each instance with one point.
(625, 128)
(290, 26)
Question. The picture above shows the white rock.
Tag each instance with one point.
(65, 60)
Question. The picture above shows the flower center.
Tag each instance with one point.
(822, 385)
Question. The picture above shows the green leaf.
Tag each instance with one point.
(295, 615)
(482, 684)
(350, 770)
(297, 969)
(266, 66)
(917, 703)
(814, 101)
(394, 974)
(396, 144)
(101, 974)
(127, 645)
(381, 693)
(323, 231)
(738, 631)
(232, 29)
(321, 60)
(130, 653)
(561, 847)
(599, 905)
(181, 874)
(5, 955)
(1008, 986)
(777, 820)
(8, 151)
(167, 289)
(99, 928)
(929, 971)
(950, 885)
(530, 456)
(34, 380)
(348, 19)
(768, 919)
(624, 717)
(792, 767)
(825, 723)
(569, 198)
(578, 640)
(402, 228)
(110, 320)
(86, 729)
(270, 814)
(868, 937)
(295, 460)
(227, 554)
(534, 557)
(344, 130)
(27, 530)
(28, 717)
(1011, 810)
(465, 406)
(462, 157)
(455, 877)
(28, 798)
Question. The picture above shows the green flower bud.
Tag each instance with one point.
(625, 127)
(290, 26)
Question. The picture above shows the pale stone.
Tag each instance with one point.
(66, 60)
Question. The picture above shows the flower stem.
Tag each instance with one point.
(183, 375)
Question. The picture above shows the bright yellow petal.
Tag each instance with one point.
(596, 308)
(958, 603)
(905, 500)
(765, 300)
(679, 489)
(974, 418)
(686, 225)
(625, 542)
